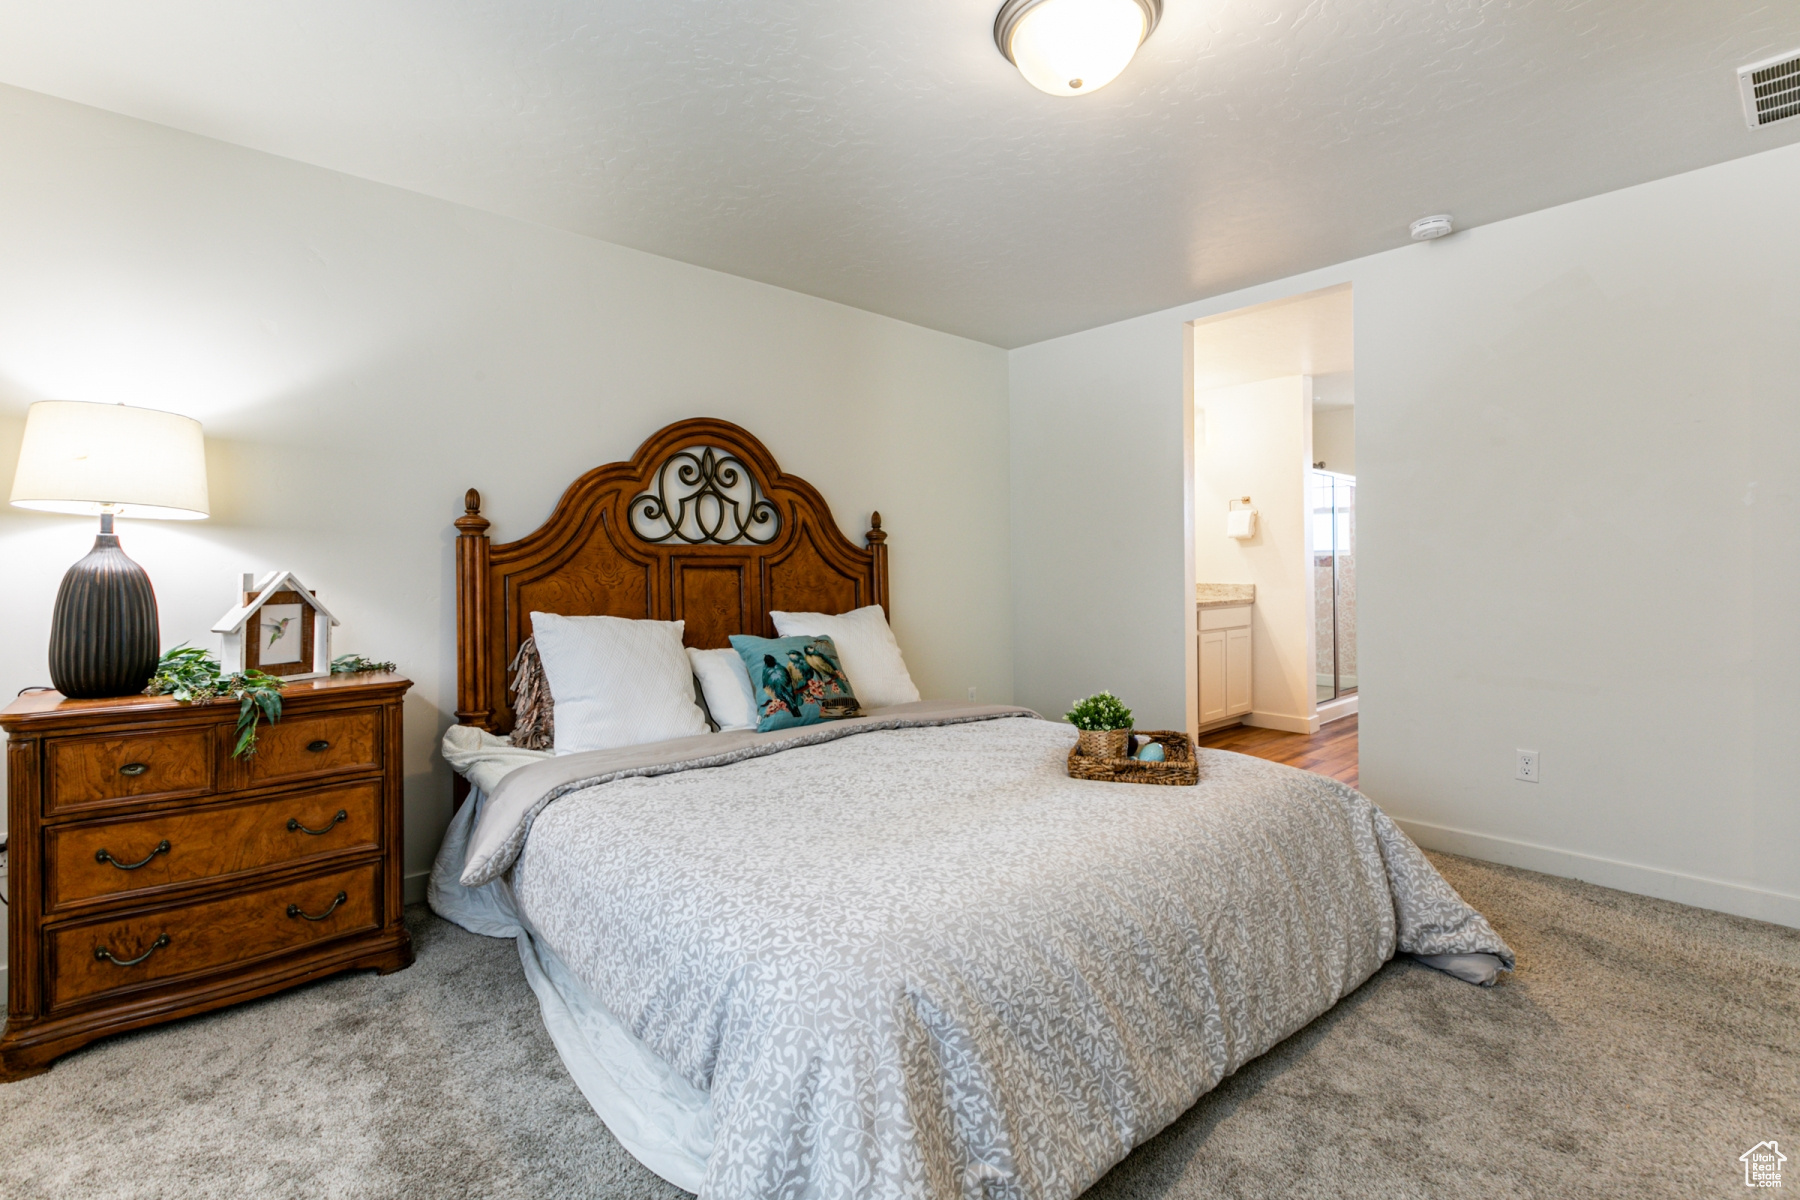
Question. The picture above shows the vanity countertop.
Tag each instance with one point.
(1224, 595)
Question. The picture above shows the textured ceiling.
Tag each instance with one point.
(885, 155)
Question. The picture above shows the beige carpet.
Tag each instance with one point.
(1640, 1048)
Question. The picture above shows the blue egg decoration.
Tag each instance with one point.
(1153, 752)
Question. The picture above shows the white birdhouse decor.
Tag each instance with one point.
(281, 628)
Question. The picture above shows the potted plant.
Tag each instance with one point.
(1105, 725)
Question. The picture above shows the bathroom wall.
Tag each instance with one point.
(1334, 437)
(1254, 442)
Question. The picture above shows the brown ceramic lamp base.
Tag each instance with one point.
(104, 639)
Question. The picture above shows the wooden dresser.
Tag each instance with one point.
(152, 875)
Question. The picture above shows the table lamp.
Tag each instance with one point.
(108, 460)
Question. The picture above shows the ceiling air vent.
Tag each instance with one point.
(1771, 89)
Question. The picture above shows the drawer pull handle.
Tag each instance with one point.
(133, 769)
(102, 954)
(294, 825)
(102, 856)
(319, 747)
(294, 910)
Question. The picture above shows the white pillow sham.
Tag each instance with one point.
(866, 648)
(616, 682)
(726, 686)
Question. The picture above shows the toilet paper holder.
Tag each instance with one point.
(1240, 522)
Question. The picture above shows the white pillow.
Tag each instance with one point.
(616, 682)
(866, 648)
(726, 686)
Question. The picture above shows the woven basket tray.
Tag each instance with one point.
(1178, 768)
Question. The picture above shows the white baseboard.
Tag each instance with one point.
(1336, 710)
(1739, 899)
(1283, 722)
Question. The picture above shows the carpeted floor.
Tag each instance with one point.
(1640, 1048)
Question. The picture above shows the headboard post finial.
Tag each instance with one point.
(471, 523)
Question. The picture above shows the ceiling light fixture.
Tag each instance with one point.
(1073, 47)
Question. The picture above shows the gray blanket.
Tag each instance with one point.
(924, 962)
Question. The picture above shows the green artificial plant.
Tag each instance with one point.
(345, 664)
(192, 676)
(1102, 710)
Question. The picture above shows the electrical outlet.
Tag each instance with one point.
(971, 693)
(1528, 766)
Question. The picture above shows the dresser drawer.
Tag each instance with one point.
(98, 958)
(153, 765)
(97, 860)
(297, 747)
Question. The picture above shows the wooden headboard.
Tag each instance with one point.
(701, 526)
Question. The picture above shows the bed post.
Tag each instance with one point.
(474, 696)
(877, 541)
(473, 705)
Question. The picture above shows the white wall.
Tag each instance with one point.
(1579, 530)
(360, 355)
(1256, 444)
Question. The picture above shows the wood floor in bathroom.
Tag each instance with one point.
(1331, 751)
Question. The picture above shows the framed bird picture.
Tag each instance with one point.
(280, 628)
(283, 636)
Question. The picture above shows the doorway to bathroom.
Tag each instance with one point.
(1274, 515)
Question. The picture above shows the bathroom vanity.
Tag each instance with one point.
(1222, 624)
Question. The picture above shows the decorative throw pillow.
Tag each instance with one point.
(797, 681)
(725, 687)
(616, 682)
(870, 655)
(534, 712)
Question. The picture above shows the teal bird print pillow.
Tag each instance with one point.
(796, 681)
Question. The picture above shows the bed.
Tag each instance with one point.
(898, 955)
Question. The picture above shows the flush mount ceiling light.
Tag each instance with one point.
(1073, 47)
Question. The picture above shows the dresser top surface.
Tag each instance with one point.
(34, 706)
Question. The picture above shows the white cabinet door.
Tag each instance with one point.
(1213, 675)
(1237, 671)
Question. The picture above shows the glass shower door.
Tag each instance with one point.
(1333, 502)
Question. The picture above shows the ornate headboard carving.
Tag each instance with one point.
(700, 525)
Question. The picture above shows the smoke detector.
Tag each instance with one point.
(1771, 89)
(1426, 228)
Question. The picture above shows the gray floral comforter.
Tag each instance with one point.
(924, 962)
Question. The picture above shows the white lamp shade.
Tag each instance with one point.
(1073, 47)
(90, 458)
